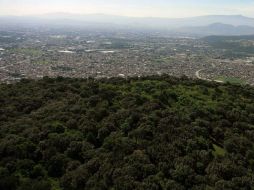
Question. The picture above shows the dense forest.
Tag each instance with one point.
(150, 133)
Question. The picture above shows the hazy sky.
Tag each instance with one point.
(142, 8)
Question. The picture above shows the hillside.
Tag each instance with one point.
(156, 133)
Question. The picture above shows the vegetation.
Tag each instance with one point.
(28, 51)
(232, 80)
(218, 151)
(156, 133)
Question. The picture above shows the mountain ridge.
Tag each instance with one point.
(205, 20)
(200, 25)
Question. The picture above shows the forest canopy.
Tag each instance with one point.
(150, 133)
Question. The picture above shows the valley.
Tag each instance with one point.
(81, 53)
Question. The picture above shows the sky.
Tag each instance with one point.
(135, 8)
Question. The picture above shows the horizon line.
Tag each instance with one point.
(105, 14)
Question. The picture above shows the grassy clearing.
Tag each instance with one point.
(55, 184)
(218, 151)
(28, 51)
(232, 80)
(165, 60)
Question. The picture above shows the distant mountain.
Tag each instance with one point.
(217, 29)
(202, 25)
(235, 20)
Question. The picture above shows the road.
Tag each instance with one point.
(198, 75)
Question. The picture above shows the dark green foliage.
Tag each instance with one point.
(151, 133)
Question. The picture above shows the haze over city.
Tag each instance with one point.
(133, 8)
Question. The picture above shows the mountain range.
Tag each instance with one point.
(201, 25)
